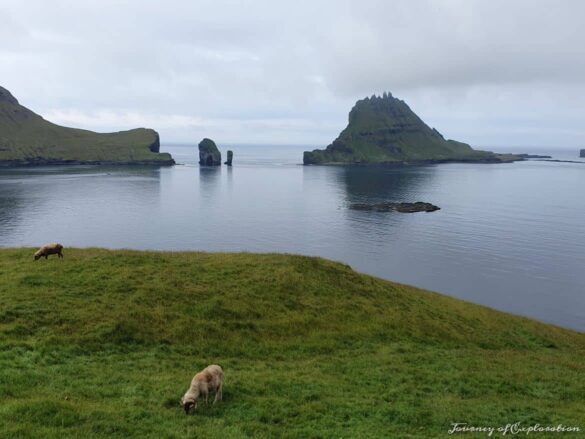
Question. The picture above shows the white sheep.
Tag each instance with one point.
(209, 379)
(49, 249)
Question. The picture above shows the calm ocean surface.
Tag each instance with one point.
(508, 236)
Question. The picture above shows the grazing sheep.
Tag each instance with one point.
(49, 249)
(210, 378)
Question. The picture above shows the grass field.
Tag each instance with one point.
(104, 343)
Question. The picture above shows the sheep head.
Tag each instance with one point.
(188, 404)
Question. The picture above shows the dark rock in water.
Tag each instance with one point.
(419, 206)
(209, 155)
(230, 157)
(582, 153)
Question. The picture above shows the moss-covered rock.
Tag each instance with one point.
(209, 155)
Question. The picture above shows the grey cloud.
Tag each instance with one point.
(230, 67)
(429, 43)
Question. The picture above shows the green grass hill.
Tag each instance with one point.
(384, 130)
(104, 343)
(28, 139)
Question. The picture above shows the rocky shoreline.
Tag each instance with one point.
(495, 159)
(397, 163)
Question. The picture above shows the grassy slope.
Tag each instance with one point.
(386, 130)
(26, 136)
(104, 343)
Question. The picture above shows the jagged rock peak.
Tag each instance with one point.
(375, 97)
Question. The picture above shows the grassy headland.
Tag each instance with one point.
(104, 343)
(28, 139)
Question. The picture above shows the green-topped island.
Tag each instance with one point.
(26, 139)
(384, 130)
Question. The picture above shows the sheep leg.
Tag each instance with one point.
(218, 394)
(46, 257)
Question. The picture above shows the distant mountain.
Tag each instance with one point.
(28, 139)
(383, 129)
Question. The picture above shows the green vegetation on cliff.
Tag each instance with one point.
(104, 343)
(27, 139)
(385, 130)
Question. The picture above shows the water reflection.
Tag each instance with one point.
(230, 178)
(12, 204)
(377, 184)
(381, 184)
(209, 181)
(76, 204)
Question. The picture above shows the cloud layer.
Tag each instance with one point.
(493, 73)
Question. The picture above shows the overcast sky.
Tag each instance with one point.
(491, 73)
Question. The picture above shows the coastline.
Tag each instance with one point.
(49, 162)
(421, 162)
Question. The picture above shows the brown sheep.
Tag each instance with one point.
(210, 378)
(49, 249)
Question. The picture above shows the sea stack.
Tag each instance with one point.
(230, 157)
(209, 155)
(582, 153)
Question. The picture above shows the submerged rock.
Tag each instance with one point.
(209, 155)
(419, 206)
(230, 156)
